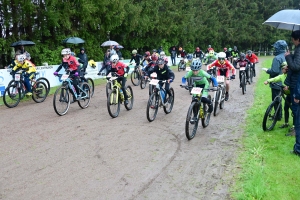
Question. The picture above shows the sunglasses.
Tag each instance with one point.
(221, 58)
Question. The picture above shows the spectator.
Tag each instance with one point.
(112, 50)
(198, 53)
(119, 53)
(82, 56)
(173, 53)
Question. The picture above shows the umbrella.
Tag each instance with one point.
(285, 19)
(109, 43)
(22, 43)
(73, 40)
(119, 47)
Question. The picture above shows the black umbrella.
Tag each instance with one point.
(73, 40)
(22, 43)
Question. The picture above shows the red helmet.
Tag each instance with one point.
(154, 57)
(225, 49)
(147, 53)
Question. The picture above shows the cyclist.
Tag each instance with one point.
(288, 102)
(198, 53)
(243, 62)
(70, 64)
(147, 58)
(136, 57)
(28, 67)
(121, 70)
(163, 56)
(234, 54)
(223, 67)
(151, 64)
(228, 53)
(210, 57)
(253, 59)
(163, 73)
(196, 71)
(154, 51)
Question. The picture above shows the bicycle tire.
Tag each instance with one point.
(151, 89)
(216, 106)
(130, 96)
(12, 96)
(222, 102)
(206, 119)
(268, 114)
(113, 101)
(191, 128)
(84, 102)
(46, 81)
(108, 88)
(39, 91)
(168, 108)
(135, 78)
(92, 86)
(251, 75)
(62, 96)
(152, 106)
(143, 83)
(243, 84)
(179, 66)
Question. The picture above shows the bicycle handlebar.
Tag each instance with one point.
(207, 89)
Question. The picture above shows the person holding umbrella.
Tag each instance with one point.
(82, 56)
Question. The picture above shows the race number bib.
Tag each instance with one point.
(242, 68)
(196, 90)
(220, 79)
(154, 75)
(154, 82)
(64, 77)
(17, 77)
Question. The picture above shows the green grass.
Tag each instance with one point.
(268, 169)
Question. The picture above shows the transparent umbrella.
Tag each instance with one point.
(109, 43)
(285, 19)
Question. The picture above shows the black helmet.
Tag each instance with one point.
(82, 48)
(196, 65)
(242, 56)
(249, 52)
(160, 61)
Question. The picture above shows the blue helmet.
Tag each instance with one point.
(189, 56)
(196, 65)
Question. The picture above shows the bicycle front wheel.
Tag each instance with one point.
(84, 102)
(130, 98)
(108, 88)
(270, 118)
(135, 78)
(251, 75)
(216, 104)
(46, 81)
(191, 122)
(152, 107)
(12, 96)
(39, 92)
(92, 86)
(170, 102)
(143, 82)
(243, 84)
(113, 104)
(206, 117)
(61, 100)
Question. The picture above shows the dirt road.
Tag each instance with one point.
(88, 155)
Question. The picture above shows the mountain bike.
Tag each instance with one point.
(143, 81)
(251, 73)
(116, 97)
(272, 112)
(181, 64)
(62, 98)
(243, 76)
(192, 118)
(88, 81)
(16, 91)
(136, 75)
(157, 99)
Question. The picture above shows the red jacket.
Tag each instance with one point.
(72, 63)
(253, 58)
(227, 65)
(119, 68)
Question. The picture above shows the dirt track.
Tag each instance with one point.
(88, 155)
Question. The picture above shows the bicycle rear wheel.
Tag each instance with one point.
(135, 78)
(84, 102)
(251, 74)
(130, 98)
(216, 105)
(12, 96)
(270, 118)
(113, 104)
(170, 102)
(39, 91)
(243, 84)
(61, 100)
(191, 126)
(46, 81)
(206, 118)
(152, 107)
(92, 86)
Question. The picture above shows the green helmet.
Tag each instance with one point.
(134, 51)
(229, 49)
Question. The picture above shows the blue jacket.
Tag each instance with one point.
(293, 62)
(275, 69)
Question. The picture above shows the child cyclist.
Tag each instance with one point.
(70, 64)
(223, 67)
(196, 71)
(243, 62)
(253, 59)
(121, 70)
(163, 73)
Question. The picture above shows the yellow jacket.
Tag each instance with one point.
(28, 66)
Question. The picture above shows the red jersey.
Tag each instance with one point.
(119, 68)
(226, 66)
(72, 63)
(253, 58)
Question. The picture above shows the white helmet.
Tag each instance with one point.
(162, 53)
(222, 55)
(66, 51)
(21, 58)
(114, 58)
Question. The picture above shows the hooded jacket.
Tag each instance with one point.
(293, 61)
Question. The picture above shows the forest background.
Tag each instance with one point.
(138, 24)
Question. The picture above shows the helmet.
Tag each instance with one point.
(196, 65)
(134, 51)
(209, 46)
(189, 56)
(82, 48)
(114, 58)
(249, 52)
(211, 53)
(225, 49)
(154, 57)
(21, 58)
(147, 53)
(242, 56)
(72, 53)
(28, 57)
(66, 51)
(162, 53)
(160, 61)
(229, 49)
(221, 55)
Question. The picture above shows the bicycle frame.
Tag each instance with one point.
(157, 90)
(68, 81)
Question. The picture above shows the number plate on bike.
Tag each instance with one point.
(154, 75)
(17, 77)
(220, 79)
(187, 69)
(242, 68)
(196, 90)
(154, 82)
(64, 77)
(108, 75)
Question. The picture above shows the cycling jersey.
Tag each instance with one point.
(235, 53)
(224, 68)
(28, 66)
(243, 63)
(162, 74)
(253, 58)
(72, 63)
(119, 68)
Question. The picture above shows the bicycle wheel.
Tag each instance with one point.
(243, 84)
(179, 66)
(108, 88)
(61, 100)
(12, 96)
(113, 104)
(151, 89)
(251, 75)
(152, 107)
(170, 102)
(222, 98)
(135, 78)
(205, 120)
(92, 86)
(39, 91)
(216, 105)
(143, 82)
(270, 118)
(46, 81)
(130, 98)
(191, 127)
(85, 96)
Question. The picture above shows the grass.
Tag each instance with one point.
(268, 169)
